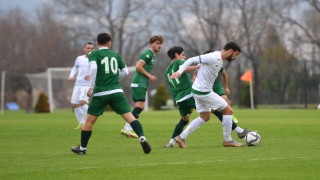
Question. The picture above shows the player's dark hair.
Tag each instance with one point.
(156, 38)
(103, 38)
(232, 45)
(208, 51)
(90, 43)
(173, 50)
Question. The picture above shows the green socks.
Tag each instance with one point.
(136, 126)
(179, 128)
(85, 136)
(136, 112)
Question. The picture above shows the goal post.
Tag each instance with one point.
(3, 75)
(49, 78)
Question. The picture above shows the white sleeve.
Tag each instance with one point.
(207, 58)
(93, 73)
(193, 60)
(123, 72)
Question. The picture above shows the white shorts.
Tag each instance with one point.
(205, 103)
(79, 94)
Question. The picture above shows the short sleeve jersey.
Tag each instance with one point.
(141, 80)
(179, 87)
(108, 63)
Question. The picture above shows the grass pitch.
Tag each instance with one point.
(37, 146)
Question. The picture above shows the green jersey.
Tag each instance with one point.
(217, 82)
(218, 85)
(180, 88)
(140, 80)
(108, 63)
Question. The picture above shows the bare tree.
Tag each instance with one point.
(254, 19)
(125, 20)
(194, 24)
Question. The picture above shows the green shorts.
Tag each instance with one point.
(186, 106)
(117, 102)
(219, 90)
(138, 94)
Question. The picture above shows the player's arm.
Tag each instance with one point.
(225, 81)
(93, 74)
(191, 68)
(183, 67)
(139, 67)
(123, 72)
(74, 71)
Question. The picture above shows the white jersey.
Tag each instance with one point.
(210, 65)
(81, 68)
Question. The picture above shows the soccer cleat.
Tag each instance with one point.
(234, 119)
(169, 145)
(79, 126)
(181, 142)
(146, 147)
(244, 133)
(77, 150)
(128, 133)
(232, 143)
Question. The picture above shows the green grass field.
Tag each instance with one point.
(37, 146)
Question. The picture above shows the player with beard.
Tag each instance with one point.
(205, 98)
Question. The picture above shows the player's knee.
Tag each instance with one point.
(205, 116)
(185, 118)
(227, 111)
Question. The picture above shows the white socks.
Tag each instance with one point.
(142, 139)
(172, 141)
(238, 129)
(79, 115)
(195, 124)
(227, 125)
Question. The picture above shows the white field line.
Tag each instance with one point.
(156, 164)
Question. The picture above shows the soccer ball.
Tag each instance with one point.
(252, 139)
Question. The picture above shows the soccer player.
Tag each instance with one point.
(180, 88)
(141, 79)
(205, 98)
(79, 99)
(106, 68)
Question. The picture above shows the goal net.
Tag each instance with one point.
(54, 83)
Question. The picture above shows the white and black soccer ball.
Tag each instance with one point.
(252, 139)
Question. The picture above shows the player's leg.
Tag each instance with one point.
(76, 105)
(138, 96)
(96, 108)
(121, 106)
(84, 100)
(177, 130)
(240, 131)
(185, 109)
(227, 124)
(203, 107)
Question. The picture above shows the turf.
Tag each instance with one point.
(37, 146)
